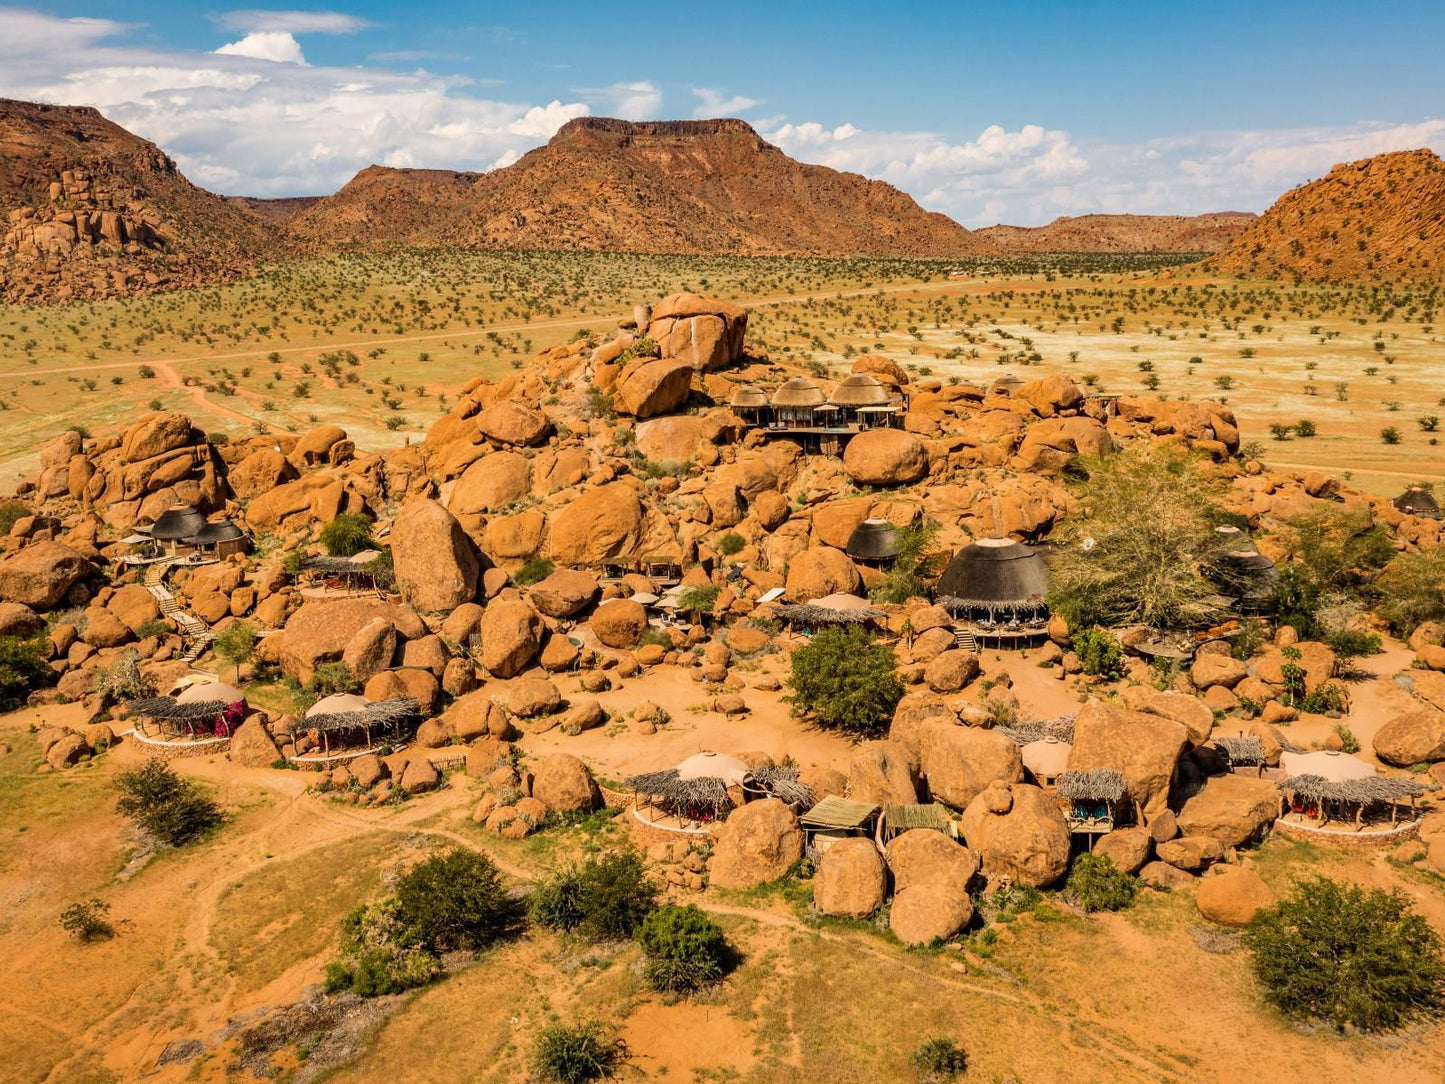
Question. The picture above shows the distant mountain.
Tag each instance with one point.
(89, 210)
(711, 186)
(1122, 233)
(1380, 218)
(279, 209)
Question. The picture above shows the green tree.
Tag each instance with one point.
(1145, 547)
(1411, 590)
(907, 578)
(377, 956)
(1335, 550)
(347, 535)
(578, 1053)
(844, 680)
(699, 600)
(456, 900)
(1348, 956)
(534, 571)
(236, 643)
(603, 899)
(88, 921)
(1096, 884)
(168, 808)
(938, 1060)
(23, 669)
(684, 950)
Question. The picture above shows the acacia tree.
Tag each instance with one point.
(1146, 546)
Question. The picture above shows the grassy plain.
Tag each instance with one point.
(379, 343)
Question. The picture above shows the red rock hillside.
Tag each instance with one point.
(1123, 233)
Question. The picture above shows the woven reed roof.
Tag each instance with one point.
(224, 531)
(808, 614)
(1327, 764)
(1046, 756)
(1242, 749)
(1368, 791)
(185, 708)
(1417, 502)
(801, 391)
(748, 396)
(860, 389)
(875, 539)
(712, 790)
(835, 812)
(903, 818)
(210, 693)
(995, 571)
(177, 524)
(1096, 785)
(1061, 729)
(342, 712)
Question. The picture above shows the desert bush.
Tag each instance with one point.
(347, 535)
(731, 543)
(1098, 651)
(168, 808)
(604, 898)
(684, 950)
(534, 571)
(1348, 742)
(699, 600)
(88, 921)
(1350, 644)
(377, 957)
(844, 680)
(11, 512)
(455, 900)
(578, 1053)
(938, 1060)
(1348, 956)
(1096, 884)
(1412, 590)
(23, 669)
(122, 679)
(907, 577)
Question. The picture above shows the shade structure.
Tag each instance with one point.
(1046, 758)
(349, 712)
(214, 533)
(732, 771)
(214, 692)
(1006, 385)
(875, 539)
(1243, 571)
(177, 524)
(1418, 501)
(801, 391)
(749, 397)
(840, 601)
(995, 574)
(338, 704)
(1330, 765)
(859, 390)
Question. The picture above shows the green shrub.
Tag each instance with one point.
(1348, 644)
(1412, 590)
(534, 571)
(347, 535)
(731, 543)
(10, 513)
(332, 677)
(699, 600)
(1096, 884)
(578, 1053)
(1348, 742)
(88, 921)
(602, 899)
(377, 957)
(843, 680)
(148, 629)
(684, 949)
(23, 669)
(236, 643)
(455, 900)
(294, 562)
(1348, 956)
(1099, 653)
(1252, 635)
(938, 1060)
(122, 680)
(169, 809)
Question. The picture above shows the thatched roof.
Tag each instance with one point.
(702, 790)
(224, 531)
(994, 573)
(1242, 749)
(209, 692)
(1373, 790)
(1046, 756)
(875, 539)
(858, 390)
(357, 563)
(1328, 764)
(169, 709)
(1061, 729)
(801, 391)
(808, 614)
(835, 812)
(731, 770)
(783, 783)
(1096, 785)
(903, 818)
(343, 712)
(1418, 502)
(178, 524)
(748, 396)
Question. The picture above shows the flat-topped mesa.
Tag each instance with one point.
(671, 129)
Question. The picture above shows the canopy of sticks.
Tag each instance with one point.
(1061, 729)
(1096, 785)
(166, 709)
(806, 614)
(1377, 790)
(380, 715)
(1242, 749)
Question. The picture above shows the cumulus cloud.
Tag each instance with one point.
(715, 103)
(273, 45)
(290, 22)
(638, 100)
(241, 123)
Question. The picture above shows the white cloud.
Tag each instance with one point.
(714, 103)
(240, 123)
(274, 45)
(630, 101)
(291, 22)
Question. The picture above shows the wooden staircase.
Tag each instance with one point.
(964, 639)
(194, 631)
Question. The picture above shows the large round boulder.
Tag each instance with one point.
(654, 387)
(924, 913)
(1416, 736)
(1029, 843)
(960, 761)
(1233, 896)
(528, 698)
(1143, 748)
(922, 856)
(884, 773)
(436, 563)
(597, 526)
(511, 422)
(885, 457)
(491, 483)
(820, 571)
(619, 623)
(759, 843)
(564, 593)
(564, 785)
(1232, 809)
(41, 574)
(1127, 848)
(850, 880)
(511, 634)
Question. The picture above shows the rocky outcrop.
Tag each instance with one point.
(850, 879)
(41, 574)
(758, 843)
(958, 762)
(436, 563)
(1143, 748)
(1416, 736)
(1028, 841)
(1233, 809)
(885, 457)
(598, 526)
(654, 387)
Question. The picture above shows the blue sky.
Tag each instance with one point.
(989, 113)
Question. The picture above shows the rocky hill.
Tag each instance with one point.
(1122, 233)
(278, 209)
(1378, 218)
(669, 186)
(89, 210)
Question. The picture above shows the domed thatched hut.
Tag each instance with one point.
(707, 785)
(202, 715)
(1045, 760)
(1418, 501)
(183, 529)
(347, 718)
(874, 543)
(862, 400)
(795, 402)
(997, 585)
(749, 403)
(1327, 786)
(178, 526)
